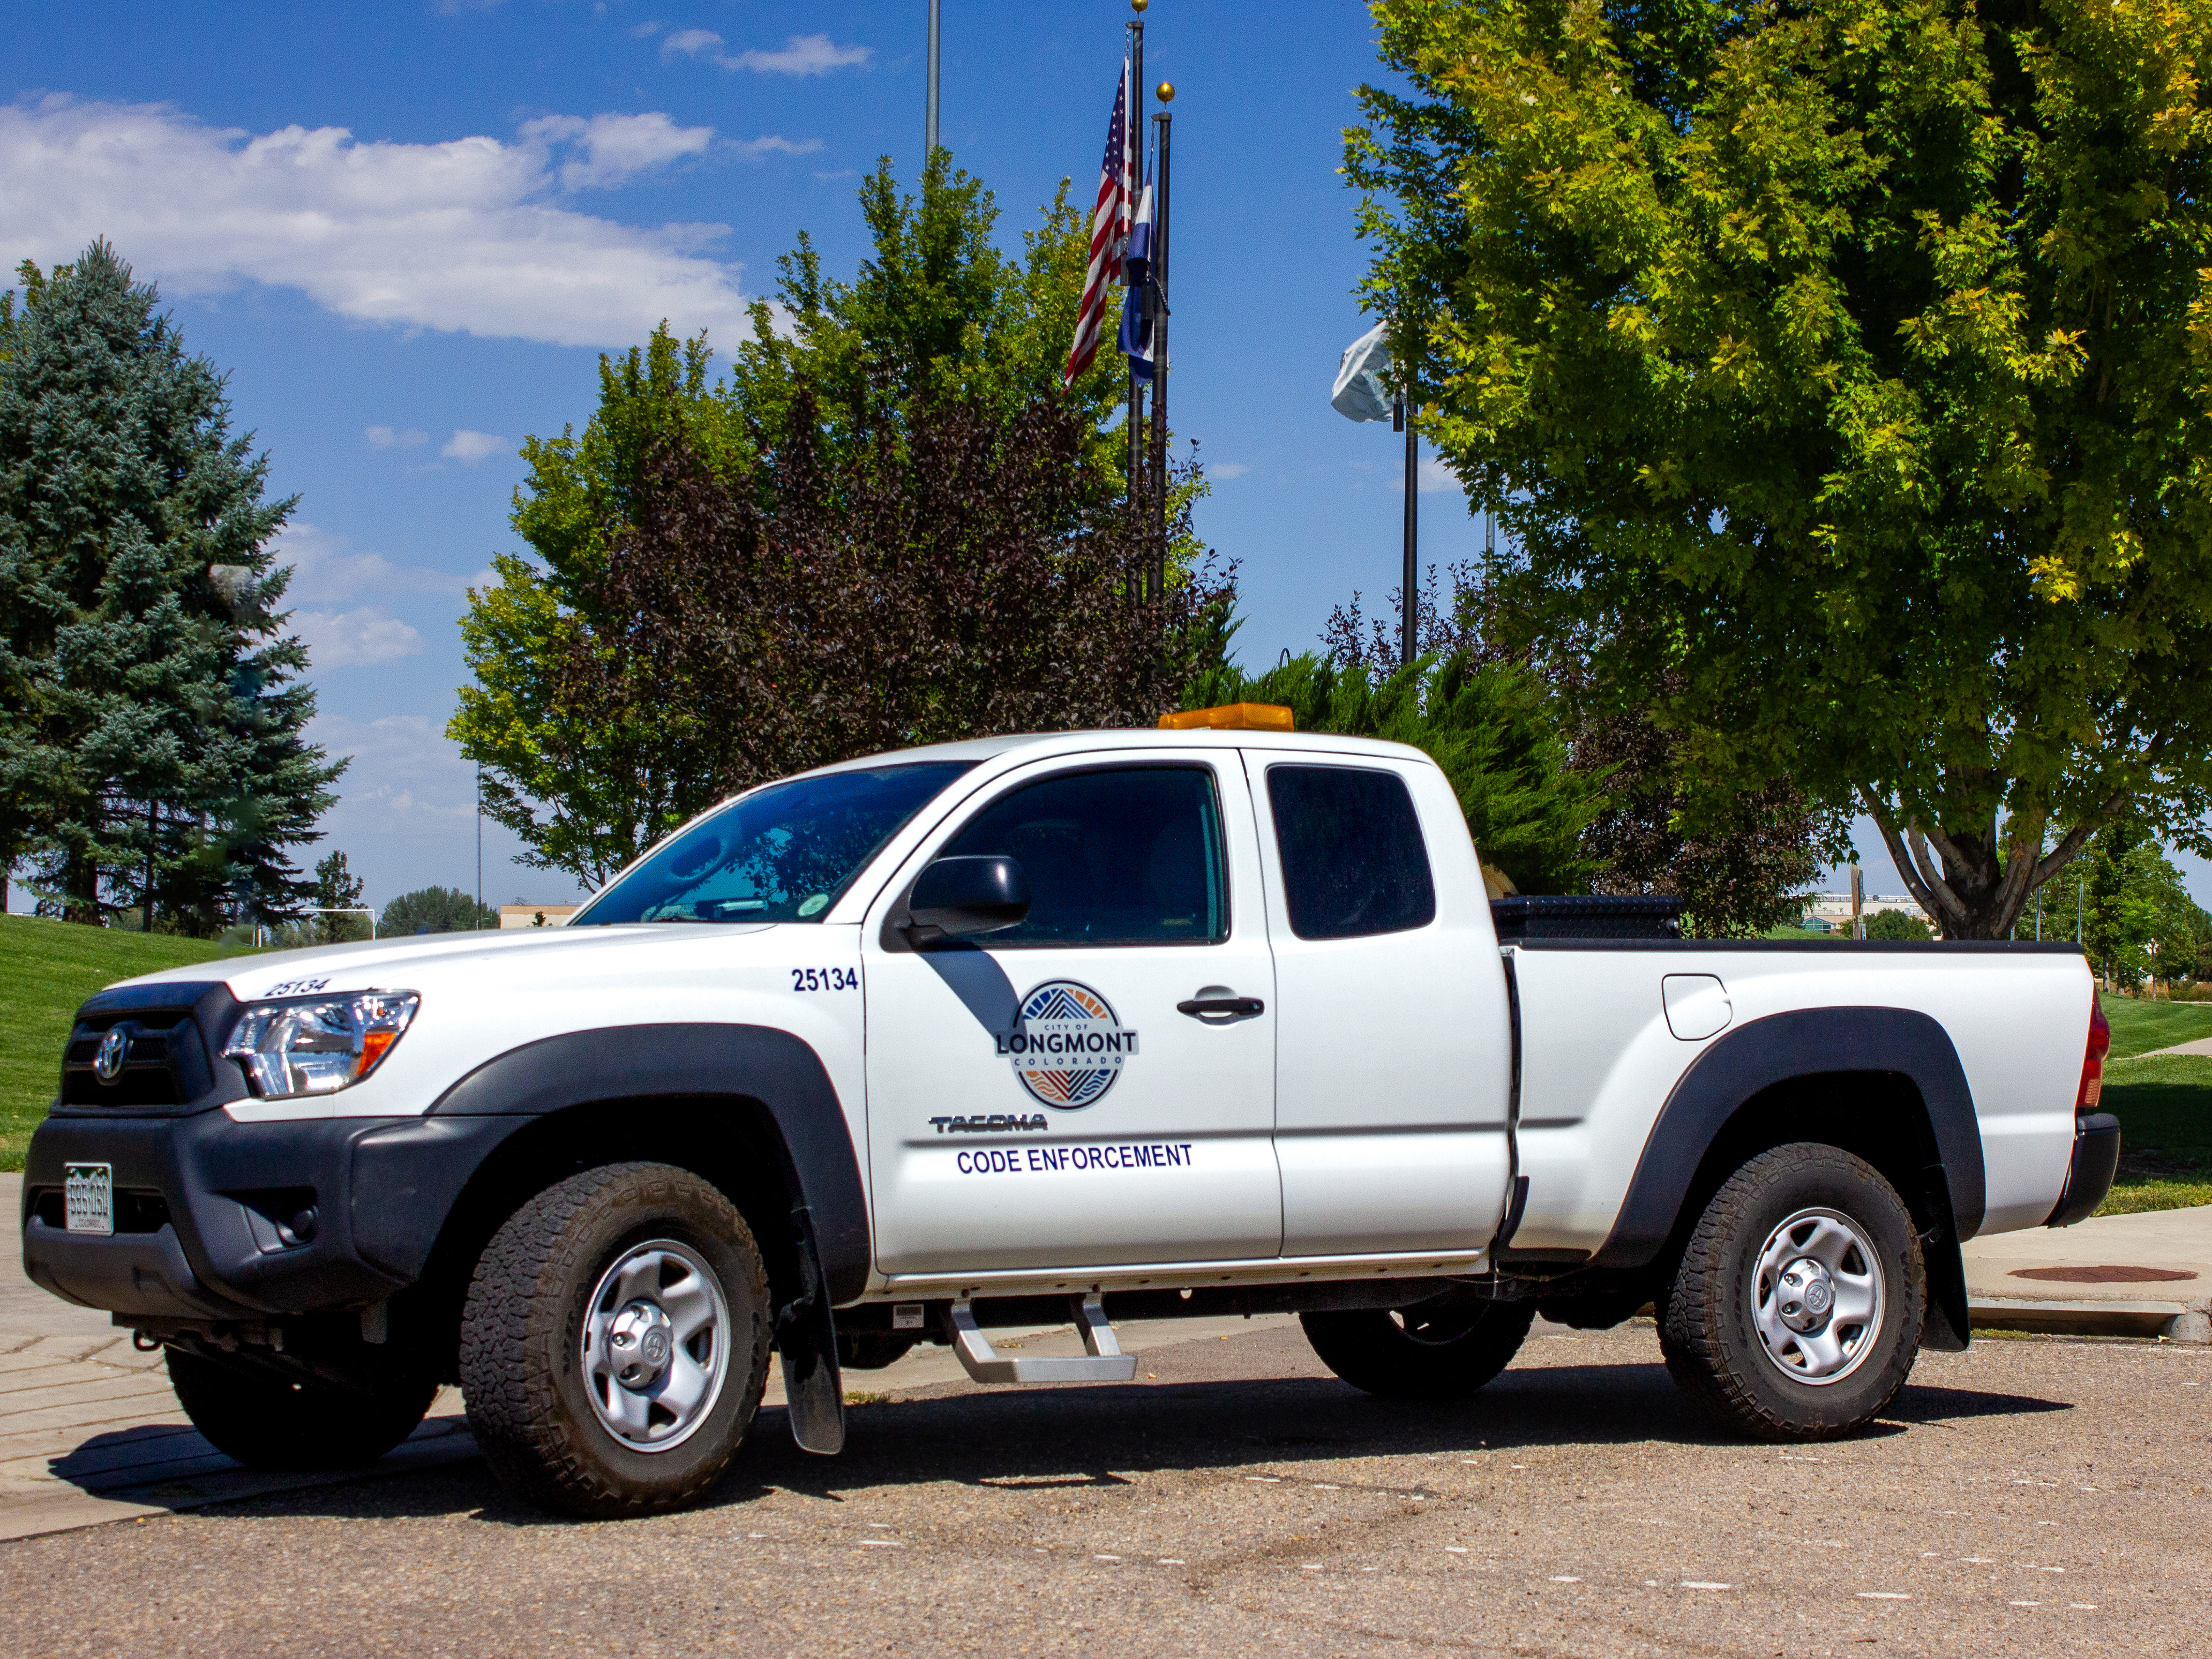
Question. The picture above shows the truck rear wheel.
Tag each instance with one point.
(615, 1340)
(1418, 1352)
(1796, 1312)
(267, 1421)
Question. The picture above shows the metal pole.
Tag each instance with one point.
(477, 921)
(2038, 914)
(929, 147)
(1161, 123)
(1410, 610)
(1133, 144)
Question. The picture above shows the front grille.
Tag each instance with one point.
(164, 1061)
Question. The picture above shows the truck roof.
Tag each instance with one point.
(1042, 744)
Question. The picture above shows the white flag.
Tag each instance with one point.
(1364, 390)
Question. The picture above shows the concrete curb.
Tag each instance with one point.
(2176, 1322)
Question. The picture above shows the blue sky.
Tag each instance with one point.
(407, 231)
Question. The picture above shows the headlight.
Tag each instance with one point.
(316, 1045)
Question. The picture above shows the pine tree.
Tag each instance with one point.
(151, 710)
(338, 889)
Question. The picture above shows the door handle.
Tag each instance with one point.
(1221, 1007)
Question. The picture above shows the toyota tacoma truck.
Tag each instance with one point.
(1082, 1026)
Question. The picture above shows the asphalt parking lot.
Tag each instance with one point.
(2033, 1497)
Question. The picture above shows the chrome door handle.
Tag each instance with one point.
(1222, 1008)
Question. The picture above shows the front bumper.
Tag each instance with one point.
(210, 1203)
(2089, 1176)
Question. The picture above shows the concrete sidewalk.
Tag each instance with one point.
(2200, 1046)
(2115, 1275)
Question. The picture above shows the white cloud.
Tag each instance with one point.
(1227, 470)
(383, 437)
(617, 148)
(327, 571)
(451, 236)
(407, 776)
(753, 148)
(691, 43)
(802, 54)
(643, 30)
(469, 447)
(359, 638)
(1432, 475)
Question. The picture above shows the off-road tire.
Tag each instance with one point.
(522, 1331)
(1417, 1354)
(267, 1422)
(1706, 1326)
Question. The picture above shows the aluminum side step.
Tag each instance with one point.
(1103, 1360)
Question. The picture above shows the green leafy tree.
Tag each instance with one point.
(937, 314)
(2138, 921)
(1897, 925)
(151, 704)
(842, 601)
(436, 910)
(1845, 367)
(1738, 860)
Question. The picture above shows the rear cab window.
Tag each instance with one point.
(1354, 863)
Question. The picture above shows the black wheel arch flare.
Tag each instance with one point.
(1803, 1046)
(772, 1068)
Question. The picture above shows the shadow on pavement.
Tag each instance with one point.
(1078, 1437)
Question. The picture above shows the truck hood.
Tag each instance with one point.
(382, 963)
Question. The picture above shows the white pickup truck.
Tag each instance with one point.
(1096, 1024)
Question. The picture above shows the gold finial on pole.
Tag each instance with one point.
(1137, 5)
(1165, 92)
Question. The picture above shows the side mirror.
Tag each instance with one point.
(963, 896)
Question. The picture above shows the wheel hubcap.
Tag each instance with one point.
(656, 1345)
(1817, 1296)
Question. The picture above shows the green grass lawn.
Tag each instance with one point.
(2164, 1102)
(53, 966)
(2138, 1026)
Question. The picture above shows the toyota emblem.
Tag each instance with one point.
(107, 1060)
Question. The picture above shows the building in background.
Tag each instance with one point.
(536, 915)
(1831, 912)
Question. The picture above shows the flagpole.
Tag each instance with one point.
(1157, 273)
(1135, 140)
(929, 141)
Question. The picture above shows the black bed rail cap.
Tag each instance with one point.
(1588, 915)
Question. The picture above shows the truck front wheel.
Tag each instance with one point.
(1796, 1312)
(1420, 1352)
(614, 1342)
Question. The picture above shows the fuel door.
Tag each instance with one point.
(1698, 1006)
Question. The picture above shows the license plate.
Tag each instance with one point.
(89, 1197)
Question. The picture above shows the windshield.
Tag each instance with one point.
(781, 853)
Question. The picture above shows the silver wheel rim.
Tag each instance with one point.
(1817, 1296)
(656, 1345)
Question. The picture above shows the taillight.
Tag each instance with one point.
(2093, 1061)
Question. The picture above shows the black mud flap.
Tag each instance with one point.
(1948, 1328)
(807, 1340)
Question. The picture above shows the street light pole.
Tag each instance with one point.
(1410, 611)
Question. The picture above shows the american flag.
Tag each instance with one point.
(1109, 235)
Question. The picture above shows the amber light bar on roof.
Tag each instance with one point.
(1231, 717)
